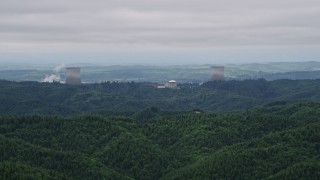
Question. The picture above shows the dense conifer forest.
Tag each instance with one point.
(253, 129)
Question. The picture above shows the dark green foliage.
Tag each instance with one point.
(116, 98)
(262, 158)
(134, 131)
(253, 88)
(18, 170)
(276, 141)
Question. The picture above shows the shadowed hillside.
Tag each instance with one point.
(267, 142)
(113, 97)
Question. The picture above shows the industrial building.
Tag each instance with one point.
(217, 73)
(73, 76)
(172, 84)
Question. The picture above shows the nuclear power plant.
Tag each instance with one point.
(73, 76)
(217, 73)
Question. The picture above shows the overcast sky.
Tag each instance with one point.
(159, 31)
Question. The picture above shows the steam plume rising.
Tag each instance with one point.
(56, 76)
(51, 78)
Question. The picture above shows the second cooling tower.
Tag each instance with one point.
(217, 73)
(73, 76)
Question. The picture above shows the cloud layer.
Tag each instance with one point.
(72, 26)
(60, 24)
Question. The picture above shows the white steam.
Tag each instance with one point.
(56, 76)
(51, 78)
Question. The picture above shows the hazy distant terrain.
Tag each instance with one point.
(91, 73)
(215, 96)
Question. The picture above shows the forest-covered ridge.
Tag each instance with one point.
(20, 98)
(275, 141)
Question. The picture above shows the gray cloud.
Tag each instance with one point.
(78, 25)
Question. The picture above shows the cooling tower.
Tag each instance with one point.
(217, 73)
(172, 84)
(73, 76)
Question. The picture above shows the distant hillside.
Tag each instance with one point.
(290, 75)
(184, 73)
(220, 96)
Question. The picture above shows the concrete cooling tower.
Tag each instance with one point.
(217, 73)
(73, 76)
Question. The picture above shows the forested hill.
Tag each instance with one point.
(264, 130)
(269, 142)
(220, 96)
